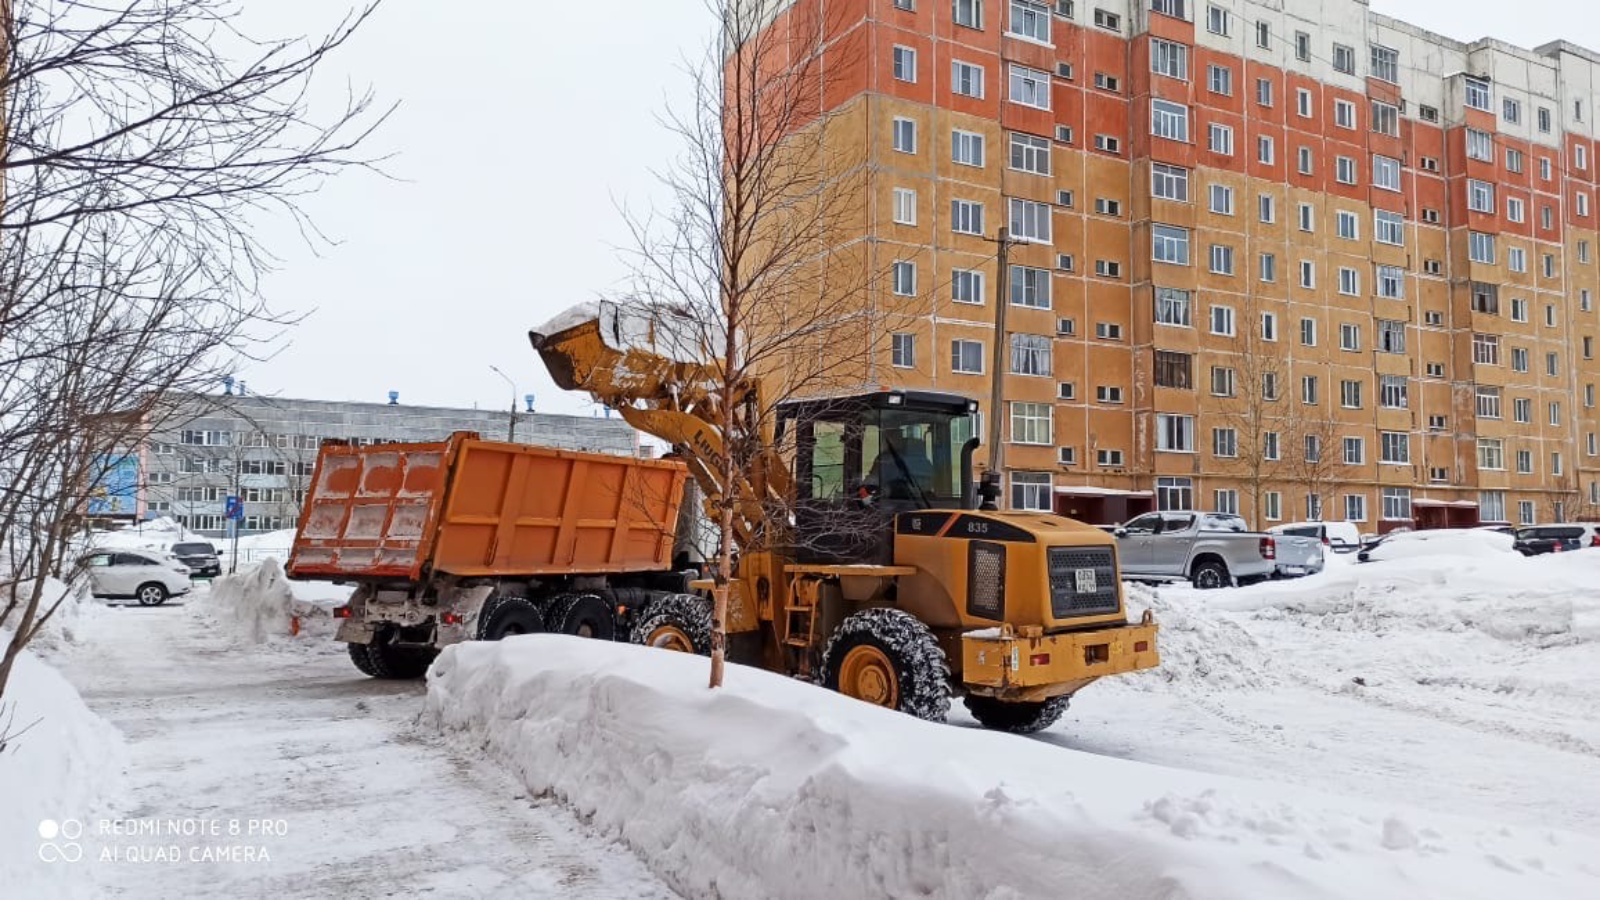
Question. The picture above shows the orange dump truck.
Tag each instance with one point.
(471, 539)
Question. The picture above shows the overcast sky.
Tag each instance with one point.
(522, 124)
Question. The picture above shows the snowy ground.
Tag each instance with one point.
(365, 803)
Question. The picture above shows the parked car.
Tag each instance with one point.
(1339, 537)
(1536, 540)
(148, 576)
(1211, 550)
(201, 558)
(1467, 542)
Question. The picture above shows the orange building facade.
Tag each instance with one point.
(1295, 260)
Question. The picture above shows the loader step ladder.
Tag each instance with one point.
(800, 617)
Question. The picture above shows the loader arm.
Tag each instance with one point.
(665, 385)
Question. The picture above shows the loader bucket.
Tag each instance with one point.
(620, 356)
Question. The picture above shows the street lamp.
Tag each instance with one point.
(511, 432)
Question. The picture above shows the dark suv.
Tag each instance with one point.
(200, 558)
(1539, 539)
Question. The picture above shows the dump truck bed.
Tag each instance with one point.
(476, 508)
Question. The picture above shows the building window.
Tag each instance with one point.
(1108, 21)
(1355, 451)
(966, 79)
(1308, 332)
(1269, 267)
(1266, 208)
(1272, 506)
(1344, 114)
(1031, 491)
(1480, 145)
(1030, 355)
(1349, 282)
(1486, 299)
(1391, 282)
(1480, 196)
(1305, 159)
(969, 13)
(1224, 382)
(905, 136)
(1492, 506)
(1477, 93)
(1386, 64)
(1393, 392)
(1221, 259)
(1270, 450)
(1169, 120)
(1174, 433)
(1170, 244)
(1491, 454)
(1350, 394)
(1107, 207)
(1224, 443)
(1030, 287)
(1308, 390)
(1031, 423)
(1264, 35)
(1345, 170)
(1263, 92)
(1488, 402)
(1174, 370)
(966, 148)
(1346, 225)
(905, 278)
(1269, 326)
(1219, 80)
(1169, 58)
(1303, 102)
(966, 357)
(905, 64)
(1521, 411)
(1350, 336)
(1107, 143)
(1174, 493)
(1355, 507)
(1218, 20)
(1172, 307)
(1221, 200)
(905, 206)
(1389, 228)
(1394, 447)
(1030, 220)
(1302, 46)
(1308, 274)
(966, 217)
(1544, 120)
(1391, 336)
(1385, 119)
(1105, 82)
(1222, 320)
(1344, 59)
(1108, 393)
(966, 286)
(1030, 154)
(1519, 358)
(1397, 504)
(1109, 459)
(903, 351)
(1030, 19)
(1480, 247)
(1030, 87)
(1169, 182)
(1219, 139)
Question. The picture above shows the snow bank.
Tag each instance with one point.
(67, 622)
(774, 788)
(260, 604)
(1198, 649)
(63, 765)
(1464, 542)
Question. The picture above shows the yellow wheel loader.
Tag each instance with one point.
(868, 559)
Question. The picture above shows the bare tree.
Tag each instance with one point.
(142, 141)
(1310, 455)
(1255, 409)
(751, 269)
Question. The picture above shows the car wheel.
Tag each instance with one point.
(1210, 575)
(151, 594)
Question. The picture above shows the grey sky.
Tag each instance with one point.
(520, 123)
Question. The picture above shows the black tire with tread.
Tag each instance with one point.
(504, 616)
(686, 612)
(920, 665)
(1221, 569)
(396, 663)
(362, 660)
(573, 613)
(1017, 718)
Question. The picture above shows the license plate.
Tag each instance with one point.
(1087, 583)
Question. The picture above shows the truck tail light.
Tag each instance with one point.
(1039, 659)
(341, 612)
(450, 618)
(1269, 548)
(1595, 541)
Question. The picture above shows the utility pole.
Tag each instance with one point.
(511, 431)
(1001, 353)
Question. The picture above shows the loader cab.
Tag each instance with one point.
(860, 460)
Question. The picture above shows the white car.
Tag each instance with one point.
(1340, 537)
(148, 576)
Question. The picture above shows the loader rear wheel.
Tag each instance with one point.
(585, 615)
(363, 661)
(1017, 718)
(391, 661)
(680, 622)
(889, 658)
(508, 616)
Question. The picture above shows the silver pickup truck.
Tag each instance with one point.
(1212, 550)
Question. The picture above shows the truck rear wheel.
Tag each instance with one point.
(889, 658)
(585, 615)
(359, 656)
(508, 616)
(1017, 718)
(395, 662)
(679, 622)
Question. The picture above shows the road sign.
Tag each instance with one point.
(233, 509)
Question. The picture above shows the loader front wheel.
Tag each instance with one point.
(1017, 718)
(889, 658)
(680, 622)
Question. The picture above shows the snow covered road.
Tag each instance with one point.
(364, 803)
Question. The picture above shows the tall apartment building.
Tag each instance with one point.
(264, 450)
(1294, 257)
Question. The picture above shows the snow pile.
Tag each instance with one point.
(260, 604)
(774, 788)
(67, 622)
(1546, 601)
(62, 762)
(1464, 542)
(1211, 651)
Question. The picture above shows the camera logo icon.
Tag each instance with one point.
(58, 840)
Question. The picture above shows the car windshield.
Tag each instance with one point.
(193, 549)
